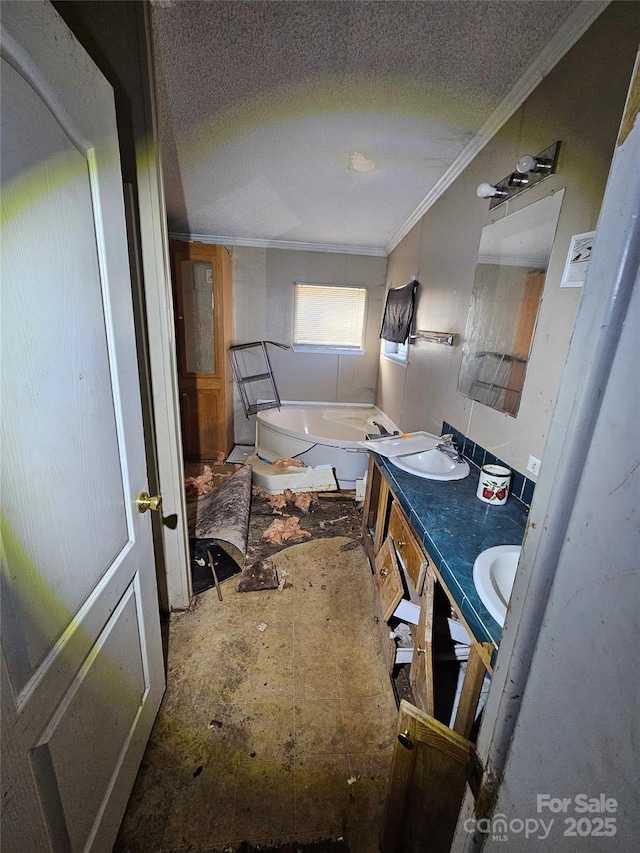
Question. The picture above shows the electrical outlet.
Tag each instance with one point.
(533, 466)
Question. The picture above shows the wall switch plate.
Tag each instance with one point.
(533, 466)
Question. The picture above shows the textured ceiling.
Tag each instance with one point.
(329, 123)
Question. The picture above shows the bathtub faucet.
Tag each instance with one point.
(384, 430)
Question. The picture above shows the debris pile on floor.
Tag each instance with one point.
(323, 524)
(301, 500)
(201, 485)
(204, 482)
(260, 575)
(220, 518)
(283, 530)
(284, 574)
(283, 464)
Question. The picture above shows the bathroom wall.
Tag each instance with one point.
(580, 103)
(263, 281)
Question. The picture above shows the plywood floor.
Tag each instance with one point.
(275, 736)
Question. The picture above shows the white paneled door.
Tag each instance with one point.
(82, 671)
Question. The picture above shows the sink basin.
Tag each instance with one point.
(432, 465)
(494, 572)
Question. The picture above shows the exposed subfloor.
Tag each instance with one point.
(275, 736)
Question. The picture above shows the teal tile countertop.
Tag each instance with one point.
(455, 526)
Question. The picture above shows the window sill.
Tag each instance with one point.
(403, 362)
(327, 350)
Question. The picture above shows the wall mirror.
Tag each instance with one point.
(197, 311)
(507, 289)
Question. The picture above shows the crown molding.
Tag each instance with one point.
(335, 248)
(564, 39)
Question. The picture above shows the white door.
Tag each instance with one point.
(82, 670)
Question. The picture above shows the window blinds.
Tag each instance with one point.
(328, 315)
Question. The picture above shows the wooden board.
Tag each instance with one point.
(421, 674)
(470, 694)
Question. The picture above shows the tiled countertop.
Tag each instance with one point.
(455, 527)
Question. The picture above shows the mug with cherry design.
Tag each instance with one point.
(493, 485)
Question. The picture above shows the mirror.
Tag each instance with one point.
(507, 289)
(197, 309)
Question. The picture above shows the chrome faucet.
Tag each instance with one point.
(451, 451)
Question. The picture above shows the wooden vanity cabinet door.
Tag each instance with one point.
(388, 581)
(427, 784)
(406, 544)
(388, 591)
(421, 673)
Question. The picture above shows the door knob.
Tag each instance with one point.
(384, 573)
(421, 650)
(145, 501)
(405, 740)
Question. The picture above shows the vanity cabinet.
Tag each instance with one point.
(204, 327)
(407, 585)
(408, 525)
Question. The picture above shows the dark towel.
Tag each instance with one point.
(398, 313)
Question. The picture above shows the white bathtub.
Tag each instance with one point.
(320, 434)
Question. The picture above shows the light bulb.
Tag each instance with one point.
(486, 190)
(527, 163)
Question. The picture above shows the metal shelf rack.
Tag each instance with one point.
(254, 377)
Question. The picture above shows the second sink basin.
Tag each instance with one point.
(494, 573)
(432, 465)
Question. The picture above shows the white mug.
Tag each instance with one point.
(493, 485)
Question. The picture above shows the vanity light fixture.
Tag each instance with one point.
(530, 170)
(489, 191)
(527, 163)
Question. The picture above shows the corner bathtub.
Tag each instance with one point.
(320, 434)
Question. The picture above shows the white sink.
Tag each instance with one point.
(494, 572)
(432, 465)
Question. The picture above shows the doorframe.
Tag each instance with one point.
(158, 293)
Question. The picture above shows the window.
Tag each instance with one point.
(396, 351)
(329, 317)
(397, 320)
